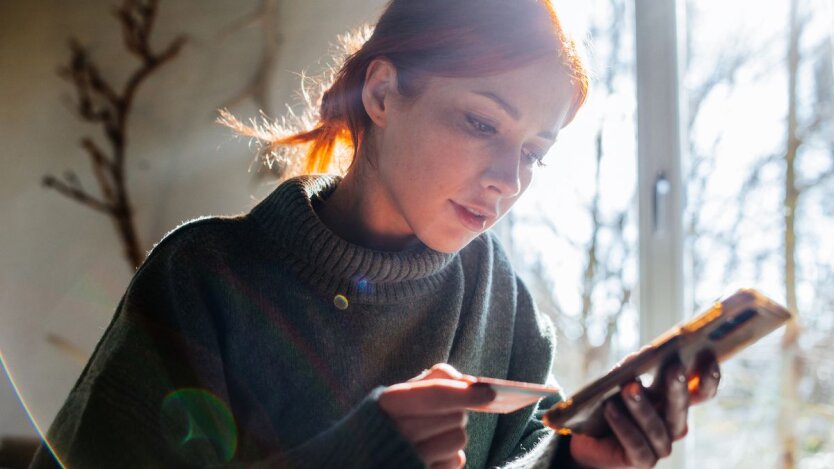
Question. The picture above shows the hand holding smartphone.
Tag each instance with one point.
(724, 329)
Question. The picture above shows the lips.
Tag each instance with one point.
(473, 217)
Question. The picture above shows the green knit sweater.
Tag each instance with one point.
(264, 340)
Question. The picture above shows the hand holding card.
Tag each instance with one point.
(510, 396)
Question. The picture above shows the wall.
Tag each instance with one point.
(61, 266)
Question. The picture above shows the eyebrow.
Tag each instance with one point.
(512, 111)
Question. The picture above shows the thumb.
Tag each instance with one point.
(442, 371)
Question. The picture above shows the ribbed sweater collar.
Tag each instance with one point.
(334, 266)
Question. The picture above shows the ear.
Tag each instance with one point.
(379, 89)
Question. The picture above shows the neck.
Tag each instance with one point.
(361, 211)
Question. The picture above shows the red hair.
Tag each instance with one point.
(450, 38)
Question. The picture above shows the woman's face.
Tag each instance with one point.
(452, 161)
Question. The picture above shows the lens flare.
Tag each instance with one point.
(341, 302)
(198, 426)
(26, 408)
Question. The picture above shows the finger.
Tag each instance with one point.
(423, 374)
(648, 420)
(634, 444)
(417, 429)
(433, 397)
(703, 385)
(454, 463)
(442, 447)
(676, 401)
(442, 371)
(595, 424)
(672, 365)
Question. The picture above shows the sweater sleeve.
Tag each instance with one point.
(523, 441)
(154, 392)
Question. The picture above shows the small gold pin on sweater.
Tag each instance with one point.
(341, 302)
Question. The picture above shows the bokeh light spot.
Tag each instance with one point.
(199, 426)
(363, 285)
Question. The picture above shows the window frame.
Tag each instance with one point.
(659, 55)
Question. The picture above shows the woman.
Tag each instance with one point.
(295, 335)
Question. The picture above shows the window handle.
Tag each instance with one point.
(662, 188)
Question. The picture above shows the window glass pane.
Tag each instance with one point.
(760, 120)
(573, 234)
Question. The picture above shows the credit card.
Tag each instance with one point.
(511, 396)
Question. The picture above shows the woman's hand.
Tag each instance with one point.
(430, 412)
(645, 422)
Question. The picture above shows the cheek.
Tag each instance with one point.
(432, 155)
(415, 169)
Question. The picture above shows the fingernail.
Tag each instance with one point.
(633, 392)
(715, 373)
(680, 378)
(484, 391)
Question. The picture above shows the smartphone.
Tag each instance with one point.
(728, 326)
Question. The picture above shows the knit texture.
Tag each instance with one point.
(264, 340)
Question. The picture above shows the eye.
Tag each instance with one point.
(480, 126)
(535, 158)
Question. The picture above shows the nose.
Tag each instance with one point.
(502, 176)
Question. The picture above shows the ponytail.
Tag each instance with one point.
(338, 113)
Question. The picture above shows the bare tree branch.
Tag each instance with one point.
(98, 102)
(69, 189)
(818, 180)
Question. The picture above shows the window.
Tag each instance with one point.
(759, 85)
(718, 136)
